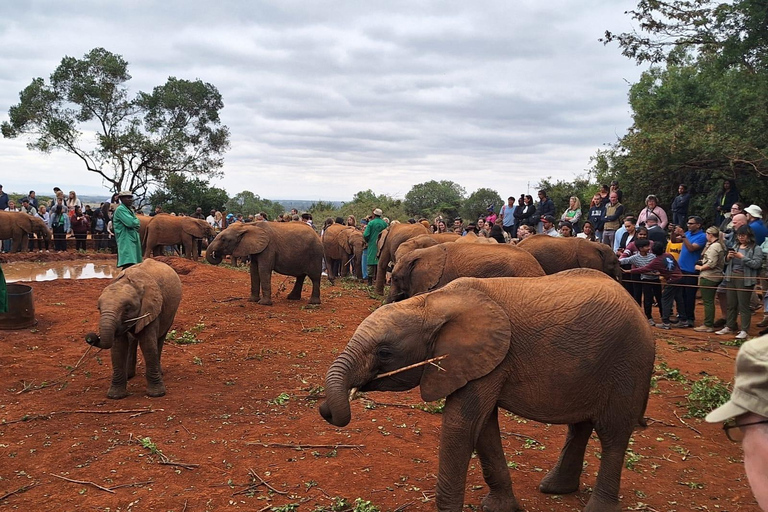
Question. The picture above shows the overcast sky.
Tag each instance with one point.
(327, 98)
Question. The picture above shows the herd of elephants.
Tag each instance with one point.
(511, 325)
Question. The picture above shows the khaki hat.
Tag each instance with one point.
(754, 211)
(125, 193)
(750, 388)
(377, 212)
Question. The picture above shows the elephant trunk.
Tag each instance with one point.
(108, 324)
(335, 410)
(213, 257)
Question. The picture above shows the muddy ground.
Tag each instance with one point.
(239, 427)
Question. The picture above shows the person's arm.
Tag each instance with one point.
(753, 259)
(662, 215)
(690, 246)
(576, 216)
(616, 215)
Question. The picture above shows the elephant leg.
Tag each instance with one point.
(255, 281)
(130, 361)
(495, 471)
(148, 341)
(24, 243)
(329, 269)
(564, 477)
(297, 287)
(315, 297)
(264, 272)
(119, 353)
(614, 439)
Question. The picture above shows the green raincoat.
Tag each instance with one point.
(126, 227)
(371, 236)
(3, 293)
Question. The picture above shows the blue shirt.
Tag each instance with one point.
(508, 215)
(687, 260)
(759, 229)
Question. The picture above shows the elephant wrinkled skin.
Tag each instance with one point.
(522, 344)
(288, 248)
(423, 241)
(150, 292)
(164, 229)
(342, 244)
(556, 254)
(430, 268)
(18, 226)
(388, 242)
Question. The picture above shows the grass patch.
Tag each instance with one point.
(707, 394)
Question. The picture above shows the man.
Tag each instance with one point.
(548, 226)
(507, 214)
(693, 241)
(614, 211)
(755, 220)
(211, 219)
(157, 211)
(680, 204)
(125, 224)
(33, 199)
(746, 414)
(371, 235)
(545, 207)
(457, 227)
(655, 233)
(3, 199)
(27, 208)
(56, 192)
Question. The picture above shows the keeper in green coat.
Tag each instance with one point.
(125, 224)
(3, 293)
(371, 237)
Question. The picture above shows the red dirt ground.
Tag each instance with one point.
(242, 400)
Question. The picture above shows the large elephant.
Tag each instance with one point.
(166, 229)
(532, 346)
(137, 309)
(555, 254)
(428, 269)
(144, 221)
(288, 248)
(342, 244)
(18, 226)
(423, 241)
(388, 243)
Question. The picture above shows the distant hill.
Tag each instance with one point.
(302, 206)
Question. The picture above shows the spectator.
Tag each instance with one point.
(615, 188)
(3, 199)
(126, 228)
(507, 215)
(648, 287)
(730, 241)
(157, 211)
(80, 223)
(727, 196)
(566, 229)
(665, 265)
(56, 193)
(491, 217)
(710, 275)
(497, 231)
(73, 201)
(620, 232)
(573, 213)
(27, 208)
(211, 219)
(526, 214)
(693, 242)
(680, 204)
(7, 244)
(33, 199)
(352, 221)
(743, 263)
(525, 231)
(604, 194)
(481, 228)
(548, 226)
(614, 211)
(746, 414)
(755, 220)
(99, 230)
(652, 206)
(655, 233)
(59, 222)
(457, 227)
(727, 224)
(628, 236)
(595, 214)
(371, 235)
(441, 227)
(546, 207)
(587, 231)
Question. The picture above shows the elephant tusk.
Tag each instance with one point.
(352, 394)
(431, 361)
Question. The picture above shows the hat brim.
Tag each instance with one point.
(725, 412)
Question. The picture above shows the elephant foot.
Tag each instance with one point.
(496, 503)
(314, 300)
(558, 484)
(116, 392)
(254, 298)
(594, 505)
(265, 302)
(155, 391)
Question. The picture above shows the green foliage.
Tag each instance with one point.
(175, 129)
(476, 205)
(180, 194)
(434, 197)
(288, 507)
(248, 203)
(187, 337)
(281, 399)
(436, 407)
(561, 191)
(706, 394)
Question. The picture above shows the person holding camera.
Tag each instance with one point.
(710, 269)
(743, 263)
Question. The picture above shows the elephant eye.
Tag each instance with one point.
(384, 353)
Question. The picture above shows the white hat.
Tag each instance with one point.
(754, 211)
(750, 383)
(377, 212)
(125, 193)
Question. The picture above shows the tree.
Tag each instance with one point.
(183, 195)
(477, 204)
(561, 192)
(434, 197)
(138, 142)
(248, 203)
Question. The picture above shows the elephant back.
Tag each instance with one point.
(332, 240)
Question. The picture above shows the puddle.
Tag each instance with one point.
(52, 270)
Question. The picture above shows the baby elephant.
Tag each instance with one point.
(137, 308)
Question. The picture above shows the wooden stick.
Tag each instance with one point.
(136, 484)
(20, 490)
(253, 473)
(304, 446)
(184, 465)
(684, 423)
(135, 412)
(84, 482)
(415, 365)
(654, 420)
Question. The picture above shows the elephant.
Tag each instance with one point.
(427, 269)
(555, 254)
(18, 226)
(144, 221)
(137, 309)
(166, 229)
(288, 248)
(527, 345)
(472, 238)
(389, 241)
(340, 245)
(422, 241)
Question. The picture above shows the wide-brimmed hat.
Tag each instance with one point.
(125, 193)
(754, 211)
(750, 385)
(377, 212)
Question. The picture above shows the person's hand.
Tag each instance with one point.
(626, 271)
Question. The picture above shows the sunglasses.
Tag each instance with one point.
(733, 431)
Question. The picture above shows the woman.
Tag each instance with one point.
(99, 230)
(629, 235)
(566, 229)
(630, 282)
(441, 227)
(527, 214)
(72, 202)
(352, 221)
(497, 232)
(725, 199)
(652, 206)
(573, 213)
(710, 275)
(59, 223)
(481, 227)
(587, 231)
(743, 264)
(80, 224)
(525, 231)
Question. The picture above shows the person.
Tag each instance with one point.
(27, 208)
(80, 224)
(587, 231)
(73, 201)
(648, 287)
(595, 214)
(526, 213)
(211, 219)
(573, 213)
(655, 233)
(546, 207)
(491, 217)
(33, 199)
(710, 270)
(566, 229)
(525, 231)
(728, 238)
(457, 227)
(743, 263)
(622, 231)
(46, 216)
(498, 233)
(665, 265)
(727, 224)
(614, 211)
(371, 235)
(441, 227)
(746, 414)
(507, 215)
(352, 221)
(604, 194)
(3, 293)
(629, 234)
(3, 199)
(99, 230)
(615, 188)
(726, 197)
(693, 242)
(59, 223)
(125, 224)
(652, 207)
(480, 225)
(755, 221)
(680, 204)
(548, 226)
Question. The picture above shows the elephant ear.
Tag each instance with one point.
(253, 240)
(151, 298)
(472, 329)
(194, 228)
(432, 268)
